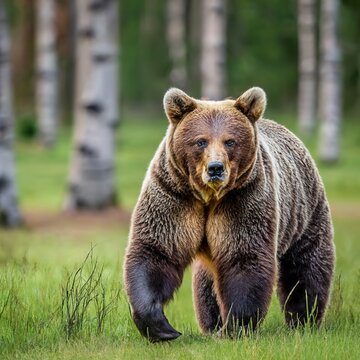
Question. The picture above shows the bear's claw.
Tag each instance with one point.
(164, 336)
(154, 325)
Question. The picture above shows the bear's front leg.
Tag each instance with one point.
(244, 287)
(151, 279)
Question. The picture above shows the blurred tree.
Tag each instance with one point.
(66, 34)
(350, 46)
(177, 42)
(46, 72)
(262, 49)
(307, 65)
(22, 54)
(9, 212)
(92, 175)
(213, 62)
(145, 64)
(330, 82)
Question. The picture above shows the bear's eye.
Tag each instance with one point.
(229, 143)
(202, 143)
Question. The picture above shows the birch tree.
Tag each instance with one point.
(46, 72)
(213, 49)
(9, 213)
(92, 173)
(176, 42)
(330, 82)
(307, 65)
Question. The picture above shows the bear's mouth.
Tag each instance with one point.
(214, 182)
(210, 187)
(216, 178)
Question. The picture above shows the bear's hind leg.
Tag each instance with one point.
(306, 272)
(206, 306)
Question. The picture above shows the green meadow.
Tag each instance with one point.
(61, 292)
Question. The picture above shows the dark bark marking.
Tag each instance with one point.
(94, 107)
(87, 151)
(4, 183)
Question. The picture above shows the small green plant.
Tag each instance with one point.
(310, 316)
(5, 302)
(26, 127)
(104, 307)
(84, 290)
(336, 310)
(354, 312)
(311, 312)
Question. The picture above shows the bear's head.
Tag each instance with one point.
(213, 143)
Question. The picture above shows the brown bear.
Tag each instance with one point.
(241, 198)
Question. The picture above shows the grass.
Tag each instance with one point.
(54, 304)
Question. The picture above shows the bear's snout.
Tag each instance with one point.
(216, 171)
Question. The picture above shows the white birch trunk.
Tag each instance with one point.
(92, 173)
(9, 213)
(330, 82)
(307, 65)
(213, 49)
(176, 42)
(46, 72)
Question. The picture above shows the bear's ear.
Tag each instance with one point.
(252, 103)
(177, 104)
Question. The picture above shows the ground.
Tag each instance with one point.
(75, 223)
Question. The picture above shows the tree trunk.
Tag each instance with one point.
(176, 42)
(213, 49)
(330, 82)
(307, 66)
(46, 74)
(23, 54)
(9, 213)
(65, 46)
(92, 173)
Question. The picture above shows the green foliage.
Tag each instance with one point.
(144, 55)
(350, 34)
(11, 11)
(261, 50)
(26, 127)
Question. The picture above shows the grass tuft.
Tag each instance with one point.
(83, 289)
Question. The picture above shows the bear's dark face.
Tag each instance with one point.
(213, 143)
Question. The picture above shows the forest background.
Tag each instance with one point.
(61, 293)
(261, 48)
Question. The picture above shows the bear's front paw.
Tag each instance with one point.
(153, 325)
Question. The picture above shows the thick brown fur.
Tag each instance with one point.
(263, 221)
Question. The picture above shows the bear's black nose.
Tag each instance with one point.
(215, 169)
